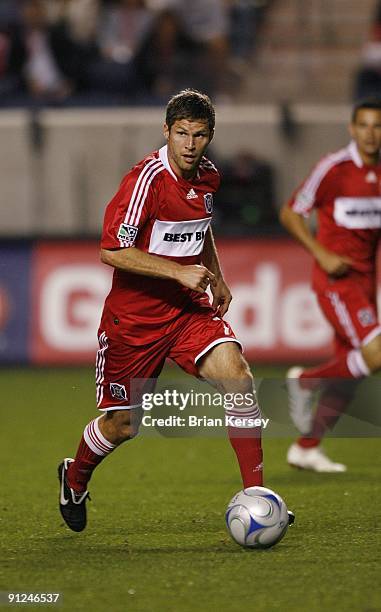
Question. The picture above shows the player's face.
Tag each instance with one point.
(187, 141)
(366, 131)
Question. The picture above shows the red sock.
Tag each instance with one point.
(332, 404)
(345, 365)
(92, 449)
(248, 448)
(246, 442)
(337, 368)
(307, 442)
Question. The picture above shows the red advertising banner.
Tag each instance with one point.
(69, 285)
(274, 312)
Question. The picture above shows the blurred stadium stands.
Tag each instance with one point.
(118, 52)
(309, 50)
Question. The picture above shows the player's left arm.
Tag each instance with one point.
(220, 291)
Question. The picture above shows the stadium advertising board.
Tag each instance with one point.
(51, 296)
(14, 302)
(69, 287)
(273, 312)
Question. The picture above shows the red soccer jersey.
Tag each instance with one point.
(165, 215)
(347, 197)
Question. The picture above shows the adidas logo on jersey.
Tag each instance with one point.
(191, 194)
(371, 177)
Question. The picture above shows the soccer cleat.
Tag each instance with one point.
(72, 504)
(313, 459)
(291, 517)
(301, 401)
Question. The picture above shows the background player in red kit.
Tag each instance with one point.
(157, 236)
(345, 190)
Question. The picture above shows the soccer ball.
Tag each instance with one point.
(257, 517)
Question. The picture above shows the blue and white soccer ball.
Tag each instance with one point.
(257, 517)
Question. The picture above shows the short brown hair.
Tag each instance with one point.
(190, 104)
(367, 103)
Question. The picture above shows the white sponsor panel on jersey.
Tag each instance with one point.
(178, 238)
(358, 213)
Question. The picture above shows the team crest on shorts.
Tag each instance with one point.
(366, 316)
(208, 201)
(127, 233)
(118, 391)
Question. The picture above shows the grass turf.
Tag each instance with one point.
(156, 539)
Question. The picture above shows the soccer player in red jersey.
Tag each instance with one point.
(158, 239)
(345, 190)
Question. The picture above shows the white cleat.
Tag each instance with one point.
(301, 401)
(313, 459)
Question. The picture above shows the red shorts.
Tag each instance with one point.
(121, 368)
(350, 307)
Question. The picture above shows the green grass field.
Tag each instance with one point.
(156, 539)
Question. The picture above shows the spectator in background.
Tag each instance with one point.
(245, 17)
(34, 65)
(12, 52)
(121, 51)
(60, 60)
(44, 78)
(73, 38)
(206, 23)
(368, 78)
(162, 63)
(188, 46)
(123, 27)
(95, 44)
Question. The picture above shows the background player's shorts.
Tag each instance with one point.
(350, 308)
(122, 369)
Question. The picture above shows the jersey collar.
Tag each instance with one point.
(163, 155)
(355, 155)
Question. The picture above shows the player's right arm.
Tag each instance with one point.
(131, 208)
(132, 259)
(315, 192)
(295, 223)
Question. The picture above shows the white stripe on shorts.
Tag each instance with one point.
(344, 318)
(100, 365)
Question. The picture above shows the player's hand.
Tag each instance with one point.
(221, 296)
(195, 277)
(334, 264)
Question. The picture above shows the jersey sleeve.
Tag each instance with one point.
(312, 192)
(211, 173)
(129, 210)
